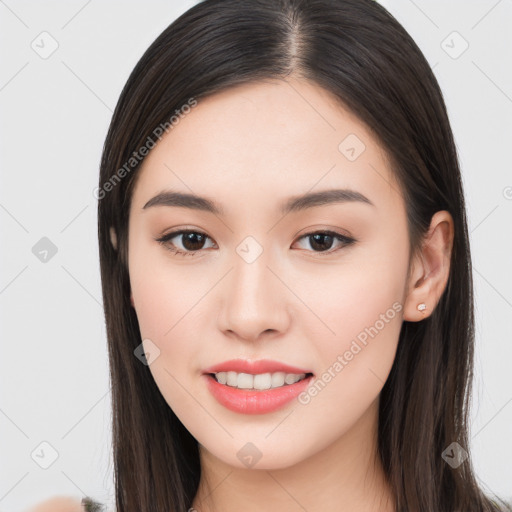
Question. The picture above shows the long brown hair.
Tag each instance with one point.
(358, 51)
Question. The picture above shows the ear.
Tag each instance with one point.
(430, 268)
(113, 237)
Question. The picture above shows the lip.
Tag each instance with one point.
(254, 367)
(246, 401)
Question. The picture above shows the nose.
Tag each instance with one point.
(255, 302)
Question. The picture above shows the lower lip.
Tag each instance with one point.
(255, 402)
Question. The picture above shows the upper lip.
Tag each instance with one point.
(254, 367)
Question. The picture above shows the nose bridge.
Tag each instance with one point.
(254, 301)
(251, 275)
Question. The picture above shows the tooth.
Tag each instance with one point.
(222, 377)
(232, 379)
(263, 381)
(260, 381)
(245, 380)
(291, 378)
(278, 379)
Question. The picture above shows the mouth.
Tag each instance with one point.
(259, 381)
(256, 386)
(259, 393)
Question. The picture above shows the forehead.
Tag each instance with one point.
(268, 139)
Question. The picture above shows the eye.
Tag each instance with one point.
(192, 242)
(324, 240)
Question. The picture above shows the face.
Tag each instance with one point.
(318, 287)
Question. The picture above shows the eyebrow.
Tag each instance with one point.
(293, 204)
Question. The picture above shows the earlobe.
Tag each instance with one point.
(113, 237)
(430, 269)
(418, 304)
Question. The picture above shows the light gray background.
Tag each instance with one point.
(53, 120)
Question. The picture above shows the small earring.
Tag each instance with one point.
(422, 306)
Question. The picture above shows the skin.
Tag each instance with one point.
(250, 148)
(58, 504)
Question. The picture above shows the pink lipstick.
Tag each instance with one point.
(255, 387)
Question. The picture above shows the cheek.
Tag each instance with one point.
(168, 318)
(361, 307)
(357, 297)
(364, 309)
(163, 291)
(169, 302)
(164, 304)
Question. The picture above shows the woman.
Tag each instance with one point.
(286, 269)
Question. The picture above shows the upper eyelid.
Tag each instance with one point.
(178, 232)
(181, 231)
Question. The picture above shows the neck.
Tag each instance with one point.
(345, 476)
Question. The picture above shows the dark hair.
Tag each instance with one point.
(359, 52)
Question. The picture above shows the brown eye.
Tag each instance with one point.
(322, 241)
(191, 242)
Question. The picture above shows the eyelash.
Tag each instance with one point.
(164, 240)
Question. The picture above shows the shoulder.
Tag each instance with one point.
(67, 504)
(58, 504)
